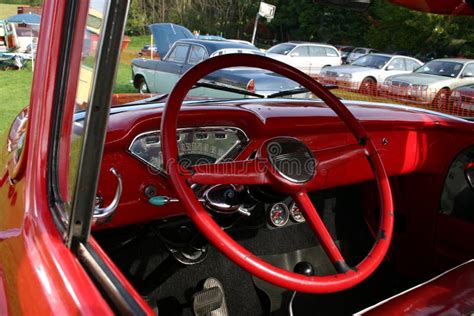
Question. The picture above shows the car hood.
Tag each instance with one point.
(277, 56)
(421, 79)
(165, 34)
(349, 69)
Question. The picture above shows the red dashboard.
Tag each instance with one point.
(409, 141)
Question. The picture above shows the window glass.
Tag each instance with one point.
(91, 38)
(316, 51)
(397, 64)
(411, 64)
(301, 51)
(359, 51)
(178, 54)
(196, 54)
(282, 49)
(330, 52)
(469, 71)
(441, 68)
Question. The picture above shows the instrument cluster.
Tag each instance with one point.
(201, 145)
(284, 213)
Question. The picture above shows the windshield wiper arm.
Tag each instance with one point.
(287, 92)
(226, 88)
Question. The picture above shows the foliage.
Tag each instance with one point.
(384, 26)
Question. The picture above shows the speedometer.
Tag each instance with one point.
(195, 145)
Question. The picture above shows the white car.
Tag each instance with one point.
(368, 72)
(310, 58)
(359, 52)
(431, 84)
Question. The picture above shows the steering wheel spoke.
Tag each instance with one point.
(248, 172)
(317, 225)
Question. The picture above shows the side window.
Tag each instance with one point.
(316, 51)
(411, 64)
(70, 153)
(468, 71)
(330, 52)
(178, 54)
(301, 51)
(358, 51)
(397, 64)
(197, 54)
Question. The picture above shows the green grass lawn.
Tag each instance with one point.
(7, 10)
(15, 89)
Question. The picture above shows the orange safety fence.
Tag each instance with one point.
(454, 102)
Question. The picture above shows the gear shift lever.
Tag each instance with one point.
(305, 268)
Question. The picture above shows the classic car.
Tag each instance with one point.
(310, 58)
(359, 52)
(431, 84)
(159, 76)
(181, 206)
(462, 99)
(366, 73)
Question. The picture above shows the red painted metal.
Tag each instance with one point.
(450, 293)
(453, 7)
(317, 225)
(39, 274)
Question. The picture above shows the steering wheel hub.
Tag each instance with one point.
(290, 158)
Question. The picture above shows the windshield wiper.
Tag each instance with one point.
(287, 92)
(199, 85)
(227, 89)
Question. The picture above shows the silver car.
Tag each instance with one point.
(368, 72)
(432, 83)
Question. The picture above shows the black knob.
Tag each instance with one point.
(304, 268)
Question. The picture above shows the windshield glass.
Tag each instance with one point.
(282, 49)
(371, 61)
(422, 55)
(441, 68)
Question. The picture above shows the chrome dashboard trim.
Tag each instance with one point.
(227, 154)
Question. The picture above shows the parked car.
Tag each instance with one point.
(310, 58)
(359, 52)
(159, 76)
(432, 83)
(147, 50)
(344, 51)
(366, 73)
(173, 206)
(462, 100)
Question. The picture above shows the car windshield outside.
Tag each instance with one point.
(441, 68)
(372, 61)
(282, 49)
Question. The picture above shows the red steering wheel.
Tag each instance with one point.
(267, 169)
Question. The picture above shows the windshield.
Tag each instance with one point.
(282, 49)
(441, 68)
(371, 61)
(412, 44)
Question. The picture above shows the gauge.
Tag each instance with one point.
(278, 215)
(296, 214)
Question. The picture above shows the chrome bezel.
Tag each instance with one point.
(231, 153)
(287, 214)
(292, 216)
